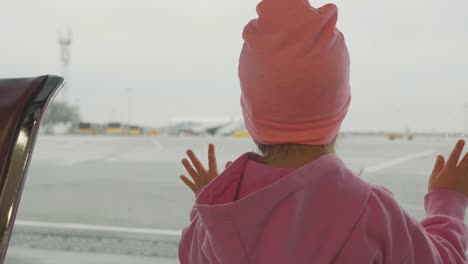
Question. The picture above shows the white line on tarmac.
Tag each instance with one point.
(394, 162)
(114, 229)
(157, 144)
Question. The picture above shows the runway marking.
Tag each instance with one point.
(157, 144)
(394, 162)
(113, 229)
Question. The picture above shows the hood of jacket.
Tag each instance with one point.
(306, 215)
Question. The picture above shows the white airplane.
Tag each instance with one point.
(199, 125)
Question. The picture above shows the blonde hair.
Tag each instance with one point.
(268, 151)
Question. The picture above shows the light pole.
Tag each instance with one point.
(65, 41)
(129, 101)
(465, 121)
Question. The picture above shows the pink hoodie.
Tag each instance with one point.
(319, 213)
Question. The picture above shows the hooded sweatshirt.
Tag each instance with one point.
(319, 213)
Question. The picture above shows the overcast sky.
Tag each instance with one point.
(179, 58)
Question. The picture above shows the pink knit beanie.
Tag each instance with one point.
(294, 74)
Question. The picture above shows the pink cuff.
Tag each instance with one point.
(446, 202)
(199, 190)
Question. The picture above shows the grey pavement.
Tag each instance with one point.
(132, 183)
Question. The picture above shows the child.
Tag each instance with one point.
(298, 202)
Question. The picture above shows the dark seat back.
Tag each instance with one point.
(22, 104)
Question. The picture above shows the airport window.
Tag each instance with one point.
(148, 80)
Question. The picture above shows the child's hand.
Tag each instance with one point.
(200, 175)
(451, 175)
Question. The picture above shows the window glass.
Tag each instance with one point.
(147, 80)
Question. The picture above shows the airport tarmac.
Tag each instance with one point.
(94, 198)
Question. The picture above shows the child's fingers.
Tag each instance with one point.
(464, 162)
(189, 183)
(196, 162)
(190, 170)
(439, 165)
(212, 164)
(455, 156)
(228, 164)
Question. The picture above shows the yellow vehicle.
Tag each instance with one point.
(241, 134)
(86, 129)
(135, 130)
(398, 135)
(115, 129)
(152, 132)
